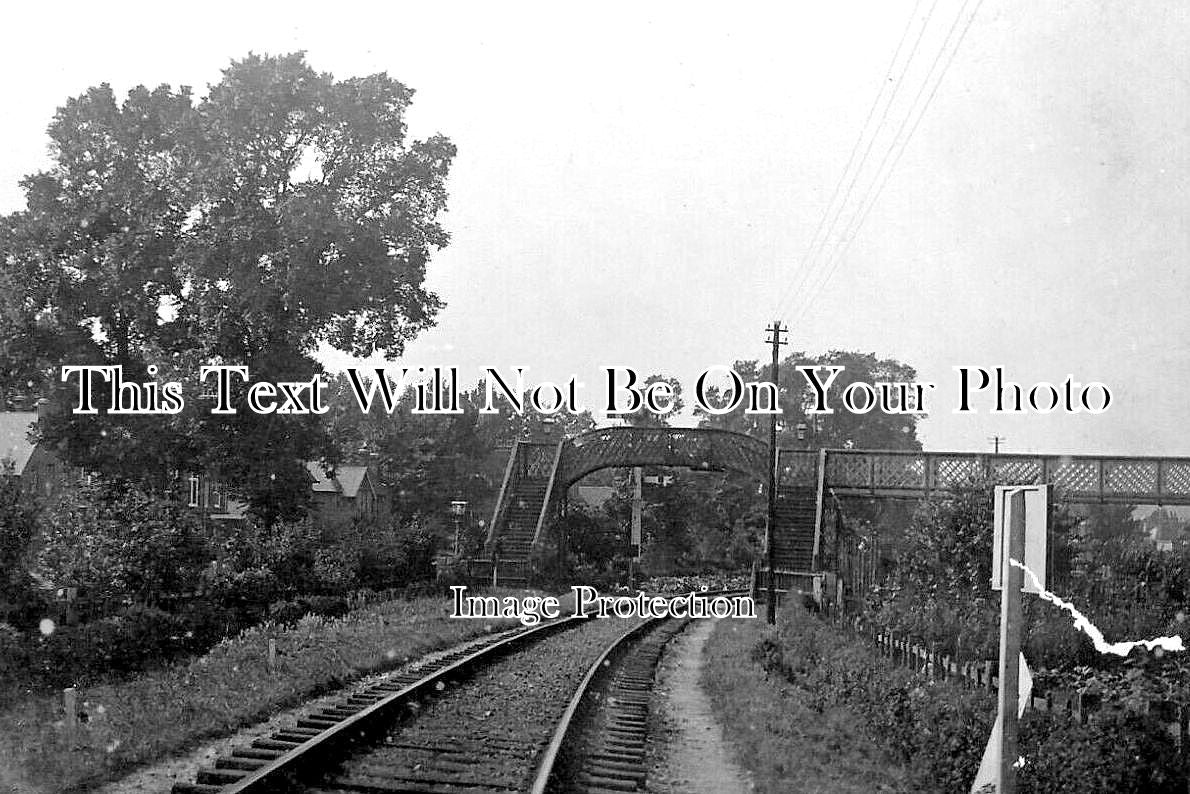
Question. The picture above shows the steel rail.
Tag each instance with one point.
(380, 714)
(568, 724)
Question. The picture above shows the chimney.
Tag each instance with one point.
(44, 409)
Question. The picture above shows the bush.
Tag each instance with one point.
(13, 656)
(210, 621)
(943, 729)
(120, 543)
(398, 555)
(290, 612)
(136, 639)
(1124, 752)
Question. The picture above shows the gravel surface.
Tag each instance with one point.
(690, 755)
(486, 734)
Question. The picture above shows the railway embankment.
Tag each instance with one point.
(177, 710)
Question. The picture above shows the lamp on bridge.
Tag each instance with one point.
(458, 509)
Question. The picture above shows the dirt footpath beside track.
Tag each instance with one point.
(689, 753)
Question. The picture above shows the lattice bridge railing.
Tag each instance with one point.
(1077, 478)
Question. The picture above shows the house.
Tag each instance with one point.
(208, 494)
(1165, 528)
(39, 470)
(350, 493)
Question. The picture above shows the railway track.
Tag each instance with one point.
(507, 713)
(600, 742)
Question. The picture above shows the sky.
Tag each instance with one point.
(643, 184)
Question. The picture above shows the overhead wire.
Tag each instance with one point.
(883, 174)
(814, 247)
(816, 242)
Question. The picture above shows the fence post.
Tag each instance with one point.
(70, 709)
(272, 655)
(1183, 729)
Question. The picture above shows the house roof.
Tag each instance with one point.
(14, 437)
(347, 480)
(351, 478)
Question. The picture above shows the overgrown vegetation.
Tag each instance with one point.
(154, 715)
(155, 583)
(938, 731)
(782, 739)
(939, 590)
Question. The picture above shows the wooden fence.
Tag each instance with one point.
(1081, 706)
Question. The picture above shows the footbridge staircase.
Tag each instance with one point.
(810, 484)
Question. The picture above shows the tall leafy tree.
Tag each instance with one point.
(284, 209)
(647, 418)
(840, 429)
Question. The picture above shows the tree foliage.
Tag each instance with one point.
(18, 526)
(283, 209)
(120, 544)
(841, 429)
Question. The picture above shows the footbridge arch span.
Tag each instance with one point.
(538, 474)
(695, 448)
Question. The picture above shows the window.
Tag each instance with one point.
(217, 496)
(194, 491)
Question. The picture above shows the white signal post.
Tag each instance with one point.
(1036, 533)
(1022, 519)
(1010, 641)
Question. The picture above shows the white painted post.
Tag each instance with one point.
(1010, 642)
(272, 655)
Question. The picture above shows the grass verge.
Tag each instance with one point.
(169, 710)
(786, 744)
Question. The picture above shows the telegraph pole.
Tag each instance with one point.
(996, 443)
(775, 330)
